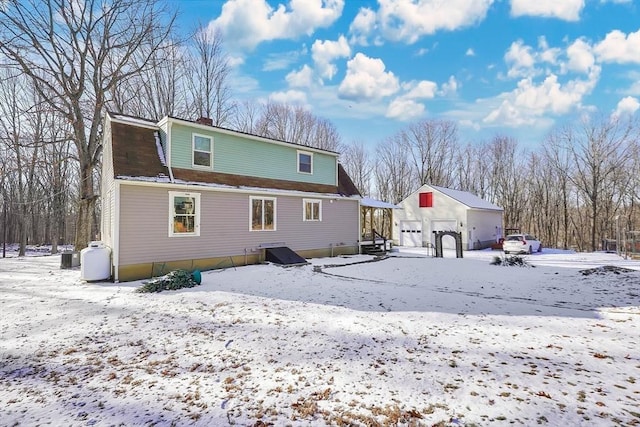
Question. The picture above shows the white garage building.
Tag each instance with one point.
(432, 208)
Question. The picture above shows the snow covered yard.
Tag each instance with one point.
(410, 340)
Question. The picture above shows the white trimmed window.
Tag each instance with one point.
(184, 214)
(312, 210)
(305, 162)
(202, 151)
(262, 214)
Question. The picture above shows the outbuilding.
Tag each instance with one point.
(431, 208)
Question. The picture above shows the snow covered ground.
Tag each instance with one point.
(409, 340)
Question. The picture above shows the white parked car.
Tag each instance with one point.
(521, 243)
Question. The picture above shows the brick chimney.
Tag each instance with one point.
(207, 121)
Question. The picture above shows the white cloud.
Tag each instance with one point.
(362, 25)
(520, 59)
(530, 102)
(620, 48)
(300, 78)
(290, 97)
(470, 52)
(367, 79)
(580, 56)
(404, 109)
(423, 89)
(450, 87)
(525, 61)
(406, 106)
(635, 86)
(246, 23)
(235, 61)
(280, 60)
(547, 54)
(568, 10)
(408, 20)
(324, 52)
(627, 106)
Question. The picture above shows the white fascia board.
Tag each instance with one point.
(115, 251)
(132, 122)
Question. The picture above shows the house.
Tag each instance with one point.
(184, 194)
(432, 208)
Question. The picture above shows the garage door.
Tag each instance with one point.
(448, 242)
(411, 233)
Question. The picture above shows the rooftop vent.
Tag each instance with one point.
(207, 121)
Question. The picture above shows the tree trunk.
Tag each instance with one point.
(86, 206)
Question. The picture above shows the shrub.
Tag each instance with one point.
(177, 279)
(510, 261)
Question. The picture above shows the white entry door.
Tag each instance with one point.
(448, 242)
(411, 233)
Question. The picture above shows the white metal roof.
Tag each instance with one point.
(373, 203)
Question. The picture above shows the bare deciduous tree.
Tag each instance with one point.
(297, 125)
(432, 145)
(77, 53)
(559, 160)
(393, 175)
(506, 185)
(159, 89)
(209, 70)
(247, 118)
(356, 161)
(599, 150)
(472, 170)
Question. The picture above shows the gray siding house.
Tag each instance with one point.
(183, 194)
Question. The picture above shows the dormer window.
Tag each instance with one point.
(202, 151)
(305, 162)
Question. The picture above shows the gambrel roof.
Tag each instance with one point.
(137, 155)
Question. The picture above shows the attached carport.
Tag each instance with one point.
(376, 222)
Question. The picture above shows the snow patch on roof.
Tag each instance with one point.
(162, 178)
(373, 203)
(159, 148)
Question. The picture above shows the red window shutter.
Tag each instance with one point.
(426, 200)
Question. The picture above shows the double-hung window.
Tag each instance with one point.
(305, 162)
(202, 151)
(184, 214)
(262, 215)
(312, 210)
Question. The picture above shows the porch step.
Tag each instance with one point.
(373, 250)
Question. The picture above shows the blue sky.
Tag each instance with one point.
(517, 68)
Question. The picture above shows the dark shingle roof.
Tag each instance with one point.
(346, 187)
(203, 177)
(135, 152)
